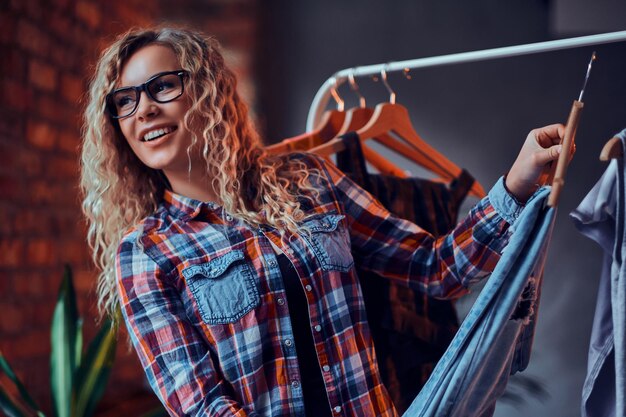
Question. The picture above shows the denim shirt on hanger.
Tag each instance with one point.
(600, 217)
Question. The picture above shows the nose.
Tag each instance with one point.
(146, 108)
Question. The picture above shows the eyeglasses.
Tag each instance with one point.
(162, 88)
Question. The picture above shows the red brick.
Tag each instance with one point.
(33, 344)
(42, 75)
(41, 192)
(12, 252)
(13, 64)
(67, 223)
(64, 58)
(33, 222)
(29, 285)
(84, 280)
(31, 38)
(41, 252)
(5, 284)
(8, 151)
(75, 252)
(49, 108)
(133, 15)
(41, 134)
(69, 141)
(7, 28)
(60, 25)
(62, 4)
(13, 318)
(11, 188)
(7, 214)
(34, 9)
(72, 88)
(62, 168)
(16, 95)
(89, 13)
(30, 163)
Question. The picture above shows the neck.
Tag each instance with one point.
(192, 185)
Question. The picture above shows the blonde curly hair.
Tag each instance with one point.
(119, 190)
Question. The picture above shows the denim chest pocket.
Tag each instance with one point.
(224, 288)
(330, 242)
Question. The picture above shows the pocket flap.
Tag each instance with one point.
(215, 267)
(327, 223)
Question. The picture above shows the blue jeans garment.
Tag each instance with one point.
(600, 216)
(474, 370)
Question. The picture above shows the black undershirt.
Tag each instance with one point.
(313, 389)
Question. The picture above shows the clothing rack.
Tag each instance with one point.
(329, 87)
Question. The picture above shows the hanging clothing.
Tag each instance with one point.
(600, 217)
(203, 298)
(411, 331)
(473, 372)
(315, 400)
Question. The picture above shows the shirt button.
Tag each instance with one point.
(308, 288)
(229, 217)
(295, 383)
(326, 368)
(289, 251)
(281, 301)
(326, 225)
(318, 328)
(288, 342)
(337, 409)
(272, 263)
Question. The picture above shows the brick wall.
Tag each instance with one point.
(47, 50)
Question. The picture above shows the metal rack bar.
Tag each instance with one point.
(323, 94)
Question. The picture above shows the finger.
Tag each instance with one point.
(549, 135)
(544, 156)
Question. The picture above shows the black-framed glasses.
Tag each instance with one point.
(162, 88)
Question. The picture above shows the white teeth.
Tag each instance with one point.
(157, 133)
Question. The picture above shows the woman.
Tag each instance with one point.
(234, 270)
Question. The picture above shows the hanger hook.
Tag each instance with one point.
(336, 96)
(354, 86)
(383, 76)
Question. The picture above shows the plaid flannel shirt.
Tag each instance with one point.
(204, 302)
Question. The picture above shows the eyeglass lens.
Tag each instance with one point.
(162, 89)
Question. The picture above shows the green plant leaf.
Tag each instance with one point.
(8, 371)
(94, 370)
(9, 406)
(63, 342)
(78, 349)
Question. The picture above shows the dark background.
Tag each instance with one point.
(478, 115)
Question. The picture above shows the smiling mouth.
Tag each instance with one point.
(157, 133)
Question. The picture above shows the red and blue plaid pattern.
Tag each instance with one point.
(204, 302)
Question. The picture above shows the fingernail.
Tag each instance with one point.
(558, 149)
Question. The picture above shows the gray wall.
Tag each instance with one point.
(478, 115)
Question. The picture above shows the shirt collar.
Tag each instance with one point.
(185, 207)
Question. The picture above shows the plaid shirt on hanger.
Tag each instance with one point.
(204, 301)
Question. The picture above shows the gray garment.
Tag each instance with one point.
(600, 216)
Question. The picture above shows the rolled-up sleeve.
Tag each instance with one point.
(402, 251)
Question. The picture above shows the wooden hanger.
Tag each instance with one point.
(613, 149)
(392, 117)
(356, 118)
(329, 125)
(331, 122)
